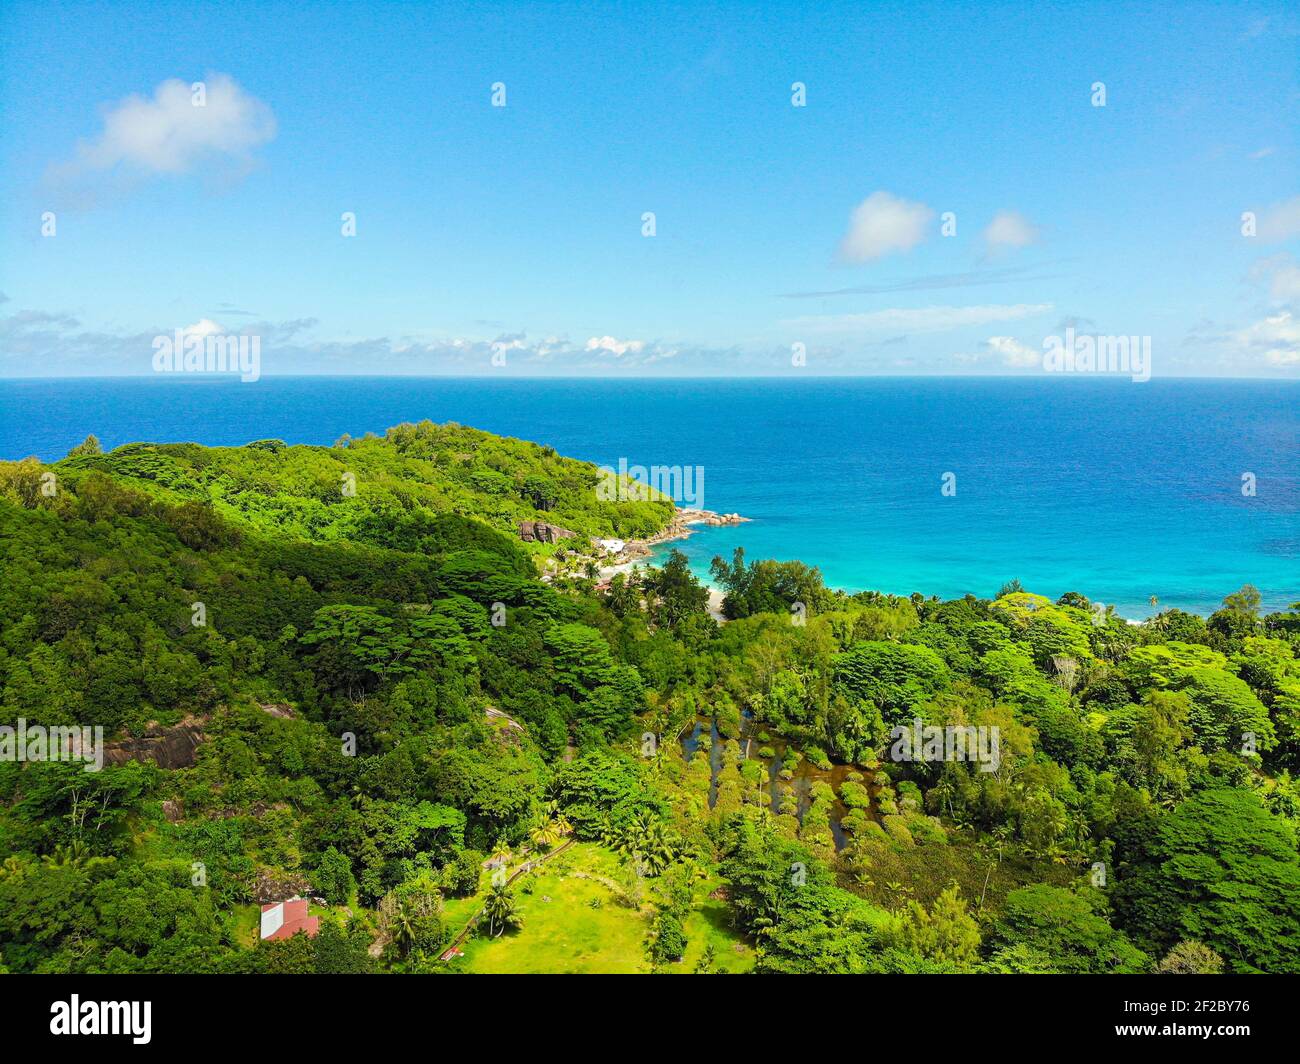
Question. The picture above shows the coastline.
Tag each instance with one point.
(680, 527)
(635, 552)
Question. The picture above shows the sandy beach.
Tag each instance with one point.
(637, 551)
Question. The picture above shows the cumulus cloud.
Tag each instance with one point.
(919, 319)
(610, 345)
(37, 343)
(1276, 338)
(203, 327)
(1279, 222)
(1009, 230)
(1013, 352)
(882, 224)
(176, 131)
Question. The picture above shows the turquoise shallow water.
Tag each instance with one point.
(1119, 490)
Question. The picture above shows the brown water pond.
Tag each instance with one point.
(805, 773)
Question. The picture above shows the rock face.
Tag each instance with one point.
(541, 532)
(272, 886)
(165, 747)
(687, 516)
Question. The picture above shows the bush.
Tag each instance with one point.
(333, 878)
(855, 821)
(460, 876)
(926, 829)
(669, 940)
(854, 795)
(897, 830)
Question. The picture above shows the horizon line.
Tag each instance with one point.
(214, 377)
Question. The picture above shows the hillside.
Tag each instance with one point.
(383, 490)
(364, 698)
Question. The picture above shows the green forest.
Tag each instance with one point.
(339, 673)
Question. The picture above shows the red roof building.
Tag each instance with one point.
(286, 918)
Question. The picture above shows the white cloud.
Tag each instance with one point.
(172, 134)
(1009, 229)
(203, 327)
(614, 347)
(1277, 337)
(918, 319)
(1263, 153)
(36, 343)
(1013, 352)
(882, 223)
(1280, 222)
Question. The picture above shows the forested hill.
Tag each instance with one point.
(360, 698)
(384, 490)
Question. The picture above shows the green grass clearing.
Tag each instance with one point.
(575, 922)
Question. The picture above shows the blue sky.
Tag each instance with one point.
(518, 229)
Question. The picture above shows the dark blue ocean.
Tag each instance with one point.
(1119, 490)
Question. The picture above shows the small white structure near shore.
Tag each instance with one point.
(612, 546)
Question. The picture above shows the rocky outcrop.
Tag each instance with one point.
(541, 532)
(175, 746)
(707, 517)
(680, 527)
(273, 885)
(172, 747)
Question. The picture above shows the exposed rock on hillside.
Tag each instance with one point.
(172, 747)
(541, 532)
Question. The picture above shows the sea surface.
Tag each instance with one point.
(1117, 489)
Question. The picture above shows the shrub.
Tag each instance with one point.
(897, 831)
(669, 939)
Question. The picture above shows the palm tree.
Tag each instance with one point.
(647, 841)
(403, 927)
(609, 835)
(554, 824)
(546, 834)
(500, 852)
(501, 911)
(74, 853)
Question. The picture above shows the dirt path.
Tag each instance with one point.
(527, 866)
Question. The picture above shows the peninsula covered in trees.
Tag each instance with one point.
(339, 674)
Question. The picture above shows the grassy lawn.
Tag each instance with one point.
(567, 933)
(573, 922)
(457, 911)
(709, 925)
(248, 924)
